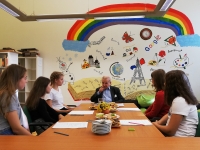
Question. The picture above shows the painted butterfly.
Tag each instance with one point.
(171, 40)
(127, 37)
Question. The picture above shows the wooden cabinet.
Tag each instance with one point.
(7, 58)
(34, 67)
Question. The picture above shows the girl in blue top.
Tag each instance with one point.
(13, 78)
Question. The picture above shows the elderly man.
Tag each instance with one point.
(108, 92)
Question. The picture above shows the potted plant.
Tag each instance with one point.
(103, 107)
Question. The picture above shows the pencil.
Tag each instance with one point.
(136, 123)
(77, 115)
(61, 133)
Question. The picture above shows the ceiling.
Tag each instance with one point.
(34, 10)
(39, 7)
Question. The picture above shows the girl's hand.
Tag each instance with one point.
(68, 110)
(60, 116)
(66, 106)
(158, 122)
(71, 108)
(155, 123)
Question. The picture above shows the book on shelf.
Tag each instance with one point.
(23, 50)
(8, 49)
(0, 62)
(30, 54)
(4, 62)
(3, 59)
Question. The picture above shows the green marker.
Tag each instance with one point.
(131, 129)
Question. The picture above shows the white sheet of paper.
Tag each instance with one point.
(128, 109)
(135, 122)
(120, 104)
(81, 112)
(70, 125)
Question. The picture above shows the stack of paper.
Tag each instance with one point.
(81, 112)
(70, 125)
(136, 122)
(128, 109)
(120, 104)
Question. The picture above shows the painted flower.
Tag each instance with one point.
(162, 53)
(142, 61)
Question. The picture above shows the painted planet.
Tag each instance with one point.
(117, 69)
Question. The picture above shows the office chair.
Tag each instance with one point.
(198, 127)
(33, 126)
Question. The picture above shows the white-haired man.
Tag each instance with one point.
(108, 92)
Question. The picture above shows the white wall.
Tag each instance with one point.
(47, 37)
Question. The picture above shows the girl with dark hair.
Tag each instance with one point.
(159, 108)
(55, 98)
(182, 118)
(12, 118)
(36, 104)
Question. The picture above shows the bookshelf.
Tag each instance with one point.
(34, 67)
(7, 58)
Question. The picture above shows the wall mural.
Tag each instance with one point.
(174, 20)
(69, 77)
(181, 62)
(124, 46)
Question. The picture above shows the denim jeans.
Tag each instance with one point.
(7, 131)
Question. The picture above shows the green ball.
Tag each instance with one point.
(145, 100)
(143, 110)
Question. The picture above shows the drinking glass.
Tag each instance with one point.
(101, 100)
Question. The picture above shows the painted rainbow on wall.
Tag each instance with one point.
(173, 19)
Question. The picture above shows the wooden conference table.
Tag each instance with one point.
(140, 131)
(144, 137)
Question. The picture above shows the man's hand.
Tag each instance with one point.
(101, 89)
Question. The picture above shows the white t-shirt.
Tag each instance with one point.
(190, 120)
(56, 97)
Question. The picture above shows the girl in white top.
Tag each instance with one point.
(55, 98)
(182, 119)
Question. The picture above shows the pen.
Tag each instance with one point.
(136, 123)
(61, 133)
(77, 115)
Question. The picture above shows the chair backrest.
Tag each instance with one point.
(26, 112)
(198, 127)
(39, 126)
